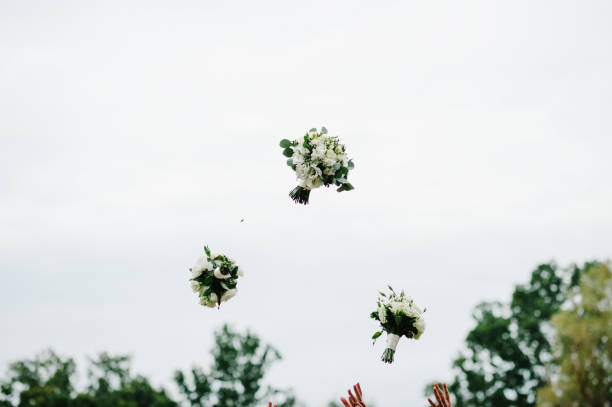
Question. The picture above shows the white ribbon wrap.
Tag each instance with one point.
(392, 340)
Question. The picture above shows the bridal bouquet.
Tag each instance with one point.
(214, 278)
(317, 159)
(398, 316)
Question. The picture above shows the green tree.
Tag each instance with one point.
(45, 381)
(235, 377)
(510, 346)
(582, 374)
(240, 362)
(112, 384)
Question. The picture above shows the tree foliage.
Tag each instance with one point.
(44, 381)
(48, 381)
(236, 375)
(583, 346)
(510, 347)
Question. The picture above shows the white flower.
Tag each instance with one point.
(398, 307)
(416, 308)
(297, 159)
(210, 301)
(200, 265)
(420, 326)
(316, 141)
(329, 171)
(319, 152)
(300, 150)
(220, 275)
(229, 294)
(382, 314)
(195, 286)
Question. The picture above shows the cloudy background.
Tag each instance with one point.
(134, 132)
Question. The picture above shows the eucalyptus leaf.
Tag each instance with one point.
(288, 152)
(323, 130)
(351, 165)
(284, 143)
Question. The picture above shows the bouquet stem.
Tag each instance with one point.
(300, 195)
(387, 355)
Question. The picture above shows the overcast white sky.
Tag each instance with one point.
(134, 132)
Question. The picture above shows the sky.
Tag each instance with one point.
(135, 132)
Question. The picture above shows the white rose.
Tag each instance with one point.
(220, 275)
(229, 294)
(200, 265)
(420, 326)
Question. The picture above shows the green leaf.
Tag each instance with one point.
(288, 152)
(323, 130)
(376, 335)
(313, 130)
(290, 162)
(225, 287)
(348, 186)
(351, 164)
(284, 143)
